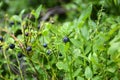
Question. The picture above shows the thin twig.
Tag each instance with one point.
(20, 43)
(37, 73)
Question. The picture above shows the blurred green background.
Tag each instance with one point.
(73, 7)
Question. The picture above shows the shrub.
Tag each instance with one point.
(89, 51)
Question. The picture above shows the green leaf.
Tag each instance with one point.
(66, 28)
(21, 13)
(77, 53)
(10, 40)
(88, 72)
(115, 78)
(114, 29)
(93, 57)
(1, 3)
(112, 69)
(16, 18)
(76, 73)
(84, 16)
(76, 43)
(61, 48)
(113, 50)
(61, 65)
(85, 32)
(116, 2)
(37, 12)
(66, 47)
(96, 78)
(45, 32)
(80, 78)
(88, 48)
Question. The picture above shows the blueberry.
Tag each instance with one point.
(65, 39)
(48, 52)
(20, 55)
(60, 54)
(44, 45)
(12, 46)
(0, 47)
(29, 48)
(38, 27)
(11, 23)
(26, 34)
(1, 38)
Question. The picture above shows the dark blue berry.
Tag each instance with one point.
(26, 34)
(60, 54)
(38, 27)
(12, 46)
(48, 52)
(44, 45)
(29, 48)
(0, 47)
(65, 39)
(11, 23)
(20, 55)
(1, 38)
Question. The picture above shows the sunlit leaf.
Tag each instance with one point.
(38, 10)
(88, 72)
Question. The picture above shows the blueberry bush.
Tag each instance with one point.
(85, 46)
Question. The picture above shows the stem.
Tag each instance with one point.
(19, 68)
(7, 62)
(37, 73)
(3, 78)
(42, 66)
(69, 65)
(71, 71)
(20, 43)
(99, 15)
(55, 78)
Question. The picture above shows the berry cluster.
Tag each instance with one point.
(29, 48)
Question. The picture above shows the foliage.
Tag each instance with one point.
(81, 49)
